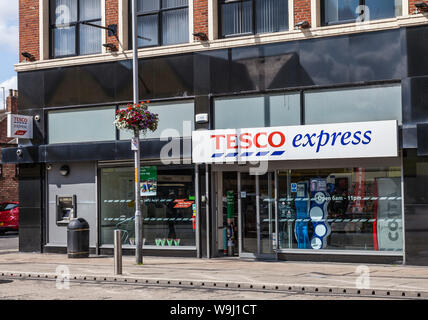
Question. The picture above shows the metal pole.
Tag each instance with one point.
(276, 212)
(135, 50)
(207, 198)
(117, 251)
(138, 220)
(270, 210)
(138, 226)
(239, 214)
(197, 222)
(258, 213)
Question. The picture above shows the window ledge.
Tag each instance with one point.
(284, 36)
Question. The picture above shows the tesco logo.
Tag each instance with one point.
(320, 141)
(21, 120)
(260, 140)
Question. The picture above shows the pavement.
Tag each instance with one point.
(222, 273)
(9, 240)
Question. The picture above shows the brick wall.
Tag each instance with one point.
(29, 20)
(302, 11)
(112, 17)
(412, 7)
(29, 28)
(200, 16)
(8, 183)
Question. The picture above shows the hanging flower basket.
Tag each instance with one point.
(136, 118)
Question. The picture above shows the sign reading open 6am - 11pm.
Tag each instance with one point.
(19, 126)
(326, 141)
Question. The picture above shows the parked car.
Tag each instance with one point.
(9, 217)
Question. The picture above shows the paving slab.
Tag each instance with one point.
(337, 277)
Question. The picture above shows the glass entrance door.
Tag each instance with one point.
(267, 214)
(248, 198)
(257, 212)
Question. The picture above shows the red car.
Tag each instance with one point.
(9, 217)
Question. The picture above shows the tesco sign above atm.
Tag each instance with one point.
(327, 141)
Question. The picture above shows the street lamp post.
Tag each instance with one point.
(136, 142)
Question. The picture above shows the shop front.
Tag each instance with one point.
(168, 206)
(287, 185)
(328, 207)
(318, 154)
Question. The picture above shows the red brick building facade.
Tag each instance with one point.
(29, 25)
(8, 181)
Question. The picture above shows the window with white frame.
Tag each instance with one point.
(69, 34)
(239, 17)
(161, 22)
(348, 11)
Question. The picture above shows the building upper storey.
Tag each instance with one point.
(59, 33)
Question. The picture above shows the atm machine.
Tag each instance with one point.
(65, 209)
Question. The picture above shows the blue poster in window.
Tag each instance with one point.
(294, 187)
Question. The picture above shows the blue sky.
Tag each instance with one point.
(10, 44)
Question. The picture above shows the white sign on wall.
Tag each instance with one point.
(325, 141)
(19, 126)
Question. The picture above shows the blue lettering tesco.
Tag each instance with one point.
(331, 139)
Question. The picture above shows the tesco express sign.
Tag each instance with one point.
(327, 141)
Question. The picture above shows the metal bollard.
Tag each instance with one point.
(117, 251)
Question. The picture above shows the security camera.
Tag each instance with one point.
(48, 167)
(37, 117)
(19, 152)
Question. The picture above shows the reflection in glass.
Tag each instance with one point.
(340, 10)
(236, 17)
(347, 11)
(175, 26)
(382, 9)
(353, 105)
(340, 209)
(168, 220)
(260, 111)
(67, 126)
(162, 22)
(174, 3)
(249, 213)
(90, 39)
(267, 213)
(176, 119)
(147, 5)
(63, 12)
(148, 28)
(230, 212)
(67, 17)
(65, 41)
(271, 15)
(90, 9)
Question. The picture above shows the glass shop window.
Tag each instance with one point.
(340, 209)
(70, 35)
(81, 125)
(349, 11)
(161, 22)
(257, 111)
(176, 119)
(353, 104)
(167, 205)
(252, 16)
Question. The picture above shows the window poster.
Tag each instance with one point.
(149, 181)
